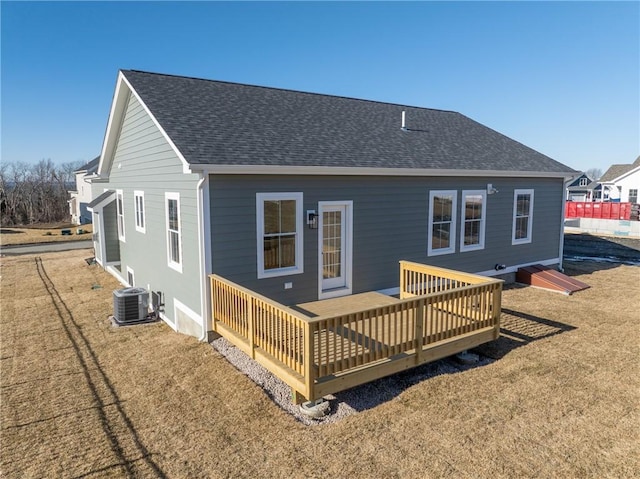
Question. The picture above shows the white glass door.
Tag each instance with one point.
(335, 248)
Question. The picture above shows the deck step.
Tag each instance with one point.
(548, 278)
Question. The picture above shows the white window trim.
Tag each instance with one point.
(463, 219)
(139, 213)
(120, 215)
(299, 267)
(454, 207)
(529, 237)
(173, 264)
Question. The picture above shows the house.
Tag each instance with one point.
(621, 182)
(302, 196)
(81, 197)
(580, 188)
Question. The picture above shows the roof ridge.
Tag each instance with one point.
(203, 118)
(227, 82)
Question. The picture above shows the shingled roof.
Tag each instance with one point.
(90, 167)
(615, 171)
(221, 123)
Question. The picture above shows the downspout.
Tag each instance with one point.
(204, 246)
(561, 249)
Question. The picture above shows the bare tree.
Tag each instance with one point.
(36, 193)
(594, 173)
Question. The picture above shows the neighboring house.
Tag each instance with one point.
(302, 196)
(621, 183)
(81, 197)
(580, 188)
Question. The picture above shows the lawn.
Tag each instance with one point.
(83, 399)
(27, 235)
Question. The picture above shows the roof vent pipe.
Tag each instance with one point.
(404, 127)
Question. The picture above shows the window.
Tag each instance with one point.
(138, 197)
(442, 221)
(174, 235)
(473, 220)
(120, 214)
(583, 182)
(633, 195)
(130, 277)
(279, 228)
(522, 216)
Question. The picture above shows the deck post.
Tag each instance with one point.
(419, 329)
(213, 302)
(403, 281)
(251, 327)
(296, 397)
(497, 309)
(309, 355)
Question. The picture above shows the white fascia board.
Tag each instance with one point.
(118, 104)
(114, 125)
(624, 175)
(368, 171)
(98, 179)
(185, 164)
(105, 201)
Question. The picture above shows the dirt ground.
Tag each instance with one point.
(621, 248)
(80, 398)
(28, 235)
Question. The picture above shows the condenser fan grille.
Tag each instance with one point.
(130, 305)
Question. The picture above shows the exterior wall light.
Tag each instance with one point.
(312, 219)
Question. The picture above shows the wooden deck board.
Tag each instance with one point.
(344, 304)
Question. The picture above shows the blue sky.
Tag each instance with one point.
(560, 77)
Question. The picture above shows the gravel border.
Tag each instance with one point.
(345, 403)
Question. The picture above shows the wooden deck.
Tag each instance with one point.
(345, 304)
(323, 347)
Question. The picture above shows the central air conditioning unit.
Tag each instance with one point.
(130, 305)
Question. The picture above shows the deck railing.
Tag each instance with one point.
(270, 333)
(441, 312)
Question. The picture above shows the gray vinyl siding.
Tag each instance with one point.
(390, 223)
(144, 161)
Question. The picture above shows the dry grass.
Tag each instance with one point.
(15, 236)
(82, 399)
